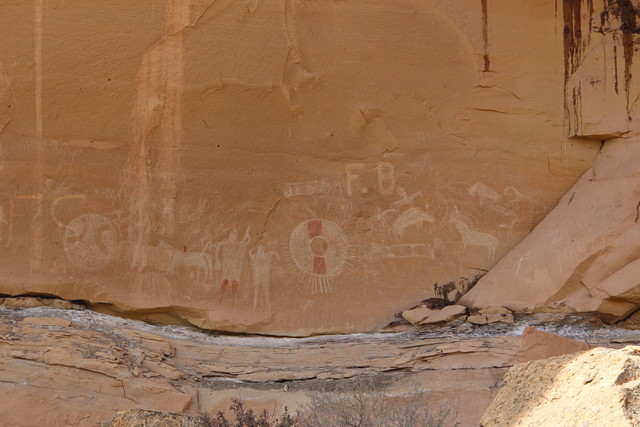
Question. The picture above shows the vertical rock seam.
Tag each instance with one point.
(485, 36)
(37, 225)
(629, 27)
(158, 105)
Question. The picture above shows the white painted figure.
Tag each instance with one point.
(472, 237)
(233, 253)
(261, 270)
(90, 242)
(410, 217)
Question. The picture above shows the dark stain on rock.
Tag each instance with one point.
(591, 12)
(571, 14)
(485, 36)
(576, 100)
(615, 64)
(619, 18)
(629, 28)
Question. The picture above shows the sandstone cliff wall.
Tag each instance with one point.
(285, 167)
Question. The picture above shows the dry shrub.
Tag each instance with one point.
(361, 403)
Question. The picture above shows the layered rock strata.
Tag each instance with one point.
(584, 255)
(79, 368)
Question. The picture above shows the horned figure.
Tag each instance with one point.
(471, 237)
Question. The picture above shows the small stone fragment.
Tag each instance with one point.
(445, 315)
(488, 318)
(22, 302)
(417, 314)
(495, 310)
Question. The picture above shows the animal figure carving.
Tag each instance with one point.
(484, 192)
(378, 221)
(474, 238)
(407, 199)
(200, 260)
(517, 199)
(412, 216)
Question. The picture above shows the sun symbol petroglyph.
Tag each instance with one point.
(319, 249)
(90, 242)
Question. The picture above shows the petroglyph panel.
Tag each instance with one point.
(319, 248)
(303, 169)
(90, 242)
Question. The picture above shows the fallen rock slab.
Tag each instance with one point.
(599, 387)
(447, 314)
(491, 315)
(417, 314)
(422, 315)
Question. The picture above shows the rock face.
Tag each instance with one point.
(599, 387)
(80, 368)
(584, 255)
(538, 344)
(281, 167)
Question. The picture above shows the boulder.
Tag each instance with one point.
(417, 314)
(446, 314)
(598, 387)
(490, 315)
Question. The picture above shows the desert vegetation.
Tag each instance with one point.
(358, 404)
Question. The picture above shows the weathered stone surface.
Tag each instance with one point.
(417, 314)
(260, 166)
(537, 344)
(47, 321)
(599, 387)
(27, 302)
(486, 319)
(445, 314)
(583, 255)
(490, 315)
(84, 373)
(495, 310)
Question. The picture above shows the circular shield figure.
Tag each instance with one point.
(90, 242)
(319, 248)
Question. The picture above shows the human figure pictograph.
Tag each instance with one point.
(233, 252)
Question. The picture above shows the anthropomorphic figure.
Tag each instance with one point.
(233, 252)
(261, 269)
